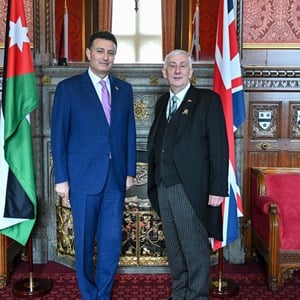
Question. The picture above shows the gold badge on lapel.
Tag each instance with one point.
(185, 112)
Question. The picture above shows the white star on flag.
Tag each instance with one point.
(18, 34)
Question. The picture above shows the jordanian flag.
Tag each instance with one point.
(19, 99)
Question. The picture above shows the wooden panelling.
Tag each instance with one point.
(272, 133)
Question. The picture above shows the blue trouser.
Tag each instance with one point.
(97, 218)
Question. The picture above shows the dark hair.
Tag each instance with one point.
(106, 35)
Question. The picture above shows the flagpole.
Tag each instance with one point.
(228, 83)
(64, 38)
(196, 34)
(31, 286)
(20, 98)
(220, 286)
(66, 32)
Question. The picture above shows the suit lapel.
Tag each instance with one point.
(89, 89)
(161, 113)
(185, 112)
(114, 89)
(114, 97)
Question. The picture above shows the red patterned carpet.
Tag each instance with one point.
(249, 277)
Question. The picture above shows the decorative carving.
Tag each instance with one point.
(154, 80)
(271, 84)
(141, 174)
(193, 80)
(271, 73)
(46, 80)
(264, 120)
(48, 27)
(143, 240)
(295, 120)
(289, 257)
(122, 77)
(65, 231)
(141, 109)
(287, 274)
(37, 31)
(264, 146)
(270, 79)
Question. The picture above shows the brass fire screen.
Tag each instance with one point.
(142, 235)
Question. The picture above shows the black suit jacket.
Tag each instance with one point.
(200, 154)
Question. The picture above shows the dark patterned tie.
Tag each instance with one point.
(105, 100)
(172, 107)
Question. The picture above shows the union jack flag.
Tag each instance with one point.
(228, 84)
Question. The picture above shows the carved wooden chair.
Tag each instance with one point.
(275, 221)
(9, 250)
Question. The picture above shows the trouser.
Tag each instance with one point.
(187, 244)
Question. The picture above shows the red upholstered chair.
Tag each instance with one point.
(275, 221)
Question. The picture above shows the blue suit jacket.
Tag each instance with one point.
(81, 139)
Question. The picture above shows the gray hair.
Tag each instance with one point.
(175, 53)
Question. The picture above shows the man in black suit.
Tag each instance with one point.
(188, 175)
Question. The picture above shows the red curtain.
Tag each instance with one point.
(76, 27)
(208, 27)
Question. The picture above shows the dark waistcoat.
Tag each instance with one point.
(164, 142)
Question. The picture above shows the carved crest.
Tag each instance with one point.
(298, 118)
(265, 119)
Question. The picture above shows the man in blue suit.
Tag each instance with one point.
(94, 159)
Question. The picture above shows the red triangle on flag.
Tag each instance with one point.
(19, 58)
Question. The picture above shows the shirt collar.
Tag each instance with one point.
(95, 79)
(181, 94)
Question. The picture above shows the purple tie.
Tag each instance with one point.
(105, 100)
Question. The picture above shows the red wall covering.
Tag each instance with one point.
(28, 6)
(271, 23)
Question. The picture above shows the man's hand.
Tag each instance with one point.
(62, 190)
(215, 200)
(129, 182)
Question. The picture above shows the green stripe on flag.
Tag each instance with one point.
(21, 98)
